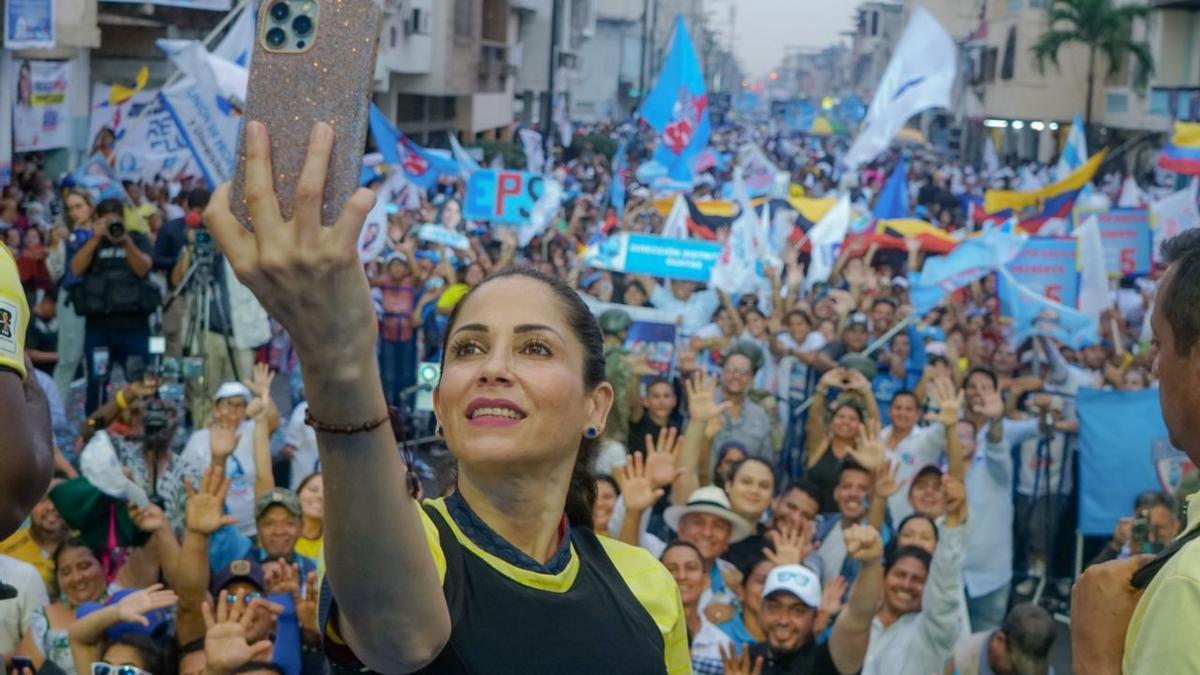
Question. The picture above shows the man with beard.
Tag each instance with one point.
(35, 544)
(853, 340)
(791, 598)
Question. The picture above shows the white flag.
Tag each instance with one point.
(193, 60)
(543, 213)
(919, 76)
(1093, 278)
(825, 237)
(991, 163)
(734, 271)
(676, 225)
(1173, 214)
(1132, 195)
(535, 158)
(238, 43)
(1074, 152)
(466, 164)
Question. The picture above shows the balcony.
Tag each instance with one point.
(1180, 103)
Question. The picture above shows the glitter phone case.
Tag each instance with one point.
(313, 61)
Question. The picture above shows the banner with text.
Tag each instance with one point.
(685, 259)
(1126, 236)
(40, 120)
(208, 125)
(29, 24)
(1045, 265)
(146, 140)
(502, 196)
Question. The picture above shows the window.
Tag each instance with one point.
(990, 56)
(392, 36)
(874, 23)
(1116, 102)
(1010, 55)
(495, 20)
(464, 18)
(1160, 102)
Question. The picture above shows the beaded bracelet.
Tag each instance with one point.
(345, 429)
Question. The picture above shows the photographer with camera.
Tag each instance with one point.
(114, 294)
(173, 239)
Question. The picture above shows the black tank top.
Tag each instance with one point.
(501, 625)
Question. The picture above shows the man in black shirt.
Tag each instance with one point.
(791, 597)
(114, 295)
(168, 247)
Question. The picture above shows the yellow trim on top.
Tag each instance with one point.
(554, 583)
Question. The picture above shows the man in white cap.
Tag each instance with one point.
(229, 412)
(791, 598)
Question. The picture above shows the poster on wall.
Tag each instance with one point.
(29, 24)
(40, 120)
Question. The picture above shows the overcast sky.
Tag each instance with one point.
(765, 28)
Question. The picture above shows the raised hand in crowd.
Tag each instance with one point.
(955, 500)
(737, 661)
(260, 385)
(223, 440)
(869, 450)
(225, 644)
(790, 547)
(306, 609)
(206, 504)
(88, 631)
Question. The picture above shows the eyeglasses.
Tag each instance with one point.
(738, 371)
(232, 600)
(102, 668)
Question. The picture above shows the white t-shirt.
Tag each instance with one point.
(16, 615)
(239, 468)
(300, 436)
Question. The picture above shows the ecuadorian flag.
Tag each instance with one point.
(1182, 154)
(1035, 207)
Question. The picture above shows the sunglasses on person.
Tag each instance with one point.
(231, 599)
(102, 668)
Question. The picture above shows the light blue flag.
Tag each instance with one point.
(1034, 314)
(893, 199)
(970, 260)
(96, 175)
(1075, 151)
(421, 167)
(616, 194)
(1124, 450)
(677, 107)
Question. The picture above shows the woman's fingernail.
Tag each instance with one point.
(254, 132)
(322, 132)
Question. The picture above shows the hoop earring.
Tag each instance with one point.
(591, 432)
(439, 432)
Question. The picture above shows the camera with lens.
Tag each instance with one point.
(116, 230)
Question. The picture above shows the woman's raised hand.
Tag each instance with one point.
(308, 277)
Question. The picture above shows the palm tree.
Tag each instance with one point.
(1105, 27)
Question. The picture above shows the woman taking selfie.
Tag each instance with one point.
(520, 405)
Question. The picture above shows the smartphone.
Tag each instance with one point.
(22, 665)
(313, 61)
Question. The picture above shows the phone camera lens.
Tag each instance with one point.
(280, 11)
(302, 25)
(276, 37)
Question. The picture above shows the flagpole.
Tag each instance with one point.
(548, 109)
(211, 37)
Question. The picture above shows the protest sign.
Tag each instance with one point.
(29, 24)
(502, 196)
(40, 119)
(686, 259)
(654, 342)
(372, 238)
(1046, 266)
(1173, 214)
(1122, 433)
(1126, 236)
(440, 235)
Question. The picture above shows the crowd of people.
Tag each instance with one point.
(821, 482)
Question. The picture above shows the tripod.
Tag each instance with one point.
(201, 279)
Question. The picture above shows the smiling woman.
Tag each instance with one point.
(520, 404)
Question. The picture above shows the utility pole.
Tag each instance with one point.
(645, 48)
(548, 106)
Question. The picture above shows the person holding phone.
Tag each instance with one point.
(521, 405)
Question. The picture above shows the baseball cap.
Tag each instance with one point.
(927, 470)
(797, 580)
(232, 389)
(241, 569)
(281, 496)
(859, 319)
